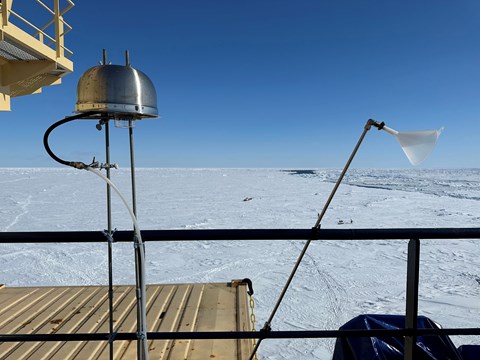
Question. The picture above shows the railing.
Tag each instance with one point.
(410, 332)
(52, 33)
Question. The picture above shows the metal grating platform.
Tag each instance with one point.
(11, 51)
(180, 307)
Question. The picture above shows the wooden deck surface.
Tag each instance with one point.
(176, 307)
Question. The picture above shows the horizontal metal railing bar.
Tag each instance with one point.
(41, 32)
(47, 25)
(204, 335)
(67, 8)
(45, 7)
(243, 234)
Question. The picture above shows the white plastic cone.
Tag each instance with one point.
(417, 145)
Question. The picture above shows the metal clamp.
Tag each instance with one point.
(141, 335)
(109, 235)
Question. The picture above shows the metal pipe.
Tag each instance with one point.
(205, 335)
(139, 249)
(390, 130)
(411, 311)
(140, 290)
(127, 58)
(58, 30)
(7, 4)
(29, 237)
(109, 234)
(266, 327)
(106, 123)
(132, 167)
(340, 178)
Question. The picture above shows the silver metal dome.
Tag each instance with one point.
(118, 91)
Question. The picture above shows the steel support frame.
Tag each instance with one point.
(410, 332)
(242, 234)
(226, 335)
(411, 311)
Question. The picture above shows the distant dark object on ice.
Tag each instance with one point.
(247, 199)
(343, 222)
(301, 172)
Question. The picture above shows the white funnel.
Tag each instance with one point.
(417, 145)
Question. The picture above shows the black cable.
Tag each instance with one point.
(78, 165)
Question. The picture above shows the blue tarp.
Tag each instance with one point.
(469, 352)
(389, 347)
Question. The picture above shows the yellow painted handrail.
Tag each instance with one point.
(61, 27)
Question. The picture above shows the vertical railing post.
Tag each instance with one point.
(59, 46)
(413, 271)
(6, 6)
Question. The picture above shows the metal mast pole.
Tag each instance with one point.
(267, 326)
(142, 344)
(109, 228)
(110, 238)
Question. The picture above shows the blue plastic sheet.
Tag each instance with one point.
(469, 352)
(389, 347)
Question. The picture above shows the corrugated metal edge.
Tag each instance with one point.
(172, 307)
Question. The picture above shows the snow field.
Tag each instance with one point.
(337, 279)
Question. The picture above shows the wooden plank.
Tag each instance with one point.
(168, 321)
(12, 307)
(81, 320)
(216, 313)
(121, 313)
(128, 349)
(181, 348)
(244, 346)
(123, 301)
(58, 307)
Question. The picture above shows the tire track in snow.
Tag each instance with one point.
(64, 267)
(333, 292)
(24, 210)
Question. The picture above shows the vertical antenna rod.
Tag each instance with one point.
(110, 238)
(142, 344)
(109, 228)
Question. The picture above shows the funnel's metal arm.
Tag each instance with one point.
(367, 127)
(390, 130)
(371, 122)
(380, 126)
(315, 229)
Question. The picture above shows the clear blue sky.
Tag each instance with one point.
(269, 83)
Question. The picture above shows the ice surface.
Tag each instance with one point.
(335, 282)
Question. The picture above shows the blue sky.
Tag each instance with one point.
(286, 84)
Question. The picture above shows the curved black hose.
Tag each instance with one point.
(75, 164)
